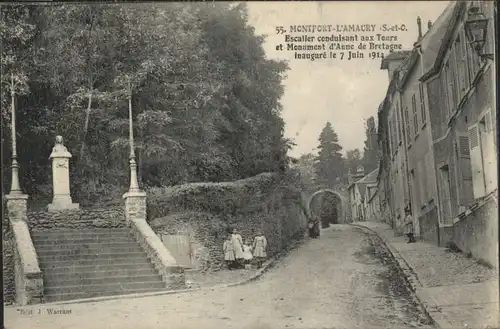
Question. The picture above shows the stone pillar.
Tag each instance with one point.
(60, 178)
(135, 205)
(28, 277)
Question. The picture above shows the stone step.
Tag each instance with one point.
(72, 281)
(82, 230)
(55, 297)
(84, 250)
(104, 288)
(70, 263)
(42, 241)
(76, 234)
(110, 257)
(87, 245)
(99, 273)
(92, 265)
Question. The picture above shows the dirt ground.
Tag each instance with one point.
(345, 279)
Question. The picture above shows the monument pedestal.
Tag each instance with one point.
(60, 178)
(62, 203)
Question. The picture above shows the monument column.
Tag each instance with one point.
(60, 178)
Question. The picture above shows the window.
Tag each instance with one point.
(398, 123)
(463, 171)
(446, 89)
(483, 155)
(471, 70)
(423, 115)
(452, 82)
(444, 187)
(407, 125)
(415, 118)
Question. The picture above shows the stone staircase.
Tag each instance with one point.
(83, 263)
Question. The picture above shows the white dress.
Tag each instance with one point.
(247, 252)
(237, 245)
(228, 251)
(259, 246)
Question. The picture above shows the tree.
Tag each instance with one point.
(206, 101)
(353, 160)
(329, 162)
(306, 167)
(371, 149)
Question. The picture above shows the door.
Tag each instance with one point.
(180, 247)
(444, 178)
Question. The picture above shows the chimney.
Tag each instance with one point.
(429, 25)
(419, 23)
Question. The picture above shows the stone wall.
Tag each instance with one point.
(109, 217)
(477, 233)
(267, 202)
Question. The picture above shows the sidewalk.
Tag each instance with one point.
(456, 291)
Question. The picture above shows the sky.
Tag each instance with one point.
(342, 92)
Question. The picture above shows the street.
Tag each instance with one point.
(345, 279)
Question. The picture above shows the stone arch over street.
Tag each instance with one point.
(342, 205)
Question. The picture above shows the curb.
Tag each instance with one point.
(265, 267)
(410, 276)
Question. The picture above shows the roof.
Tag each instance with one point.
(394, 56)
(365, 181)
(436, 41)
(370, 178)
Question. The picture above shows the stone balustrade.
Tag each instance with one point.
(28, 276)
(162, 259)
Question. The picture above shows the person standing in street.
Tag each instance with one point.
(409, 231)
(259, 248)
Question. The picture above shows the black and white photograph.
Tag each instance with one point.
(249, 165)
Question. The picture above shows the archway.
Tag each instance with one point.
(342, 204)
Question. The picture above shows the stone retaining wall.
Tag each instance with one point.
(205, 211)
(477, 232)
(109, 217)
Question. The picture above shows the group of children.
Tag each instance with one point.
(238, 254)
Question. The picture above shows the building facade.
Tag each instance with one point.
(437, 132)
(461, 87)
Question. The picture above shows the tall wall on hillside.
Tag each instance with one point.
(267, 202)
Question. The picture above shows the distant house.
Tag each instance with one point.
(372, 202)
(358, 192)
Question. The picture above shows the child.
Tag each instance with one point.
(229, 252)
(237, 247)
(259, 248)
(247, 253)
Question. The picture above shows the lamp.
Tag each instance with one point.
(476, 28)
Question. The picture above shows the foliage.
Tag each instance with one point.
(205, 99)
(329, 164)
(371, 149)
(306, 170)
(353, 160)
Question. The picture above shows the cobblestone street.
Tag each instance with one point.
(345, 279)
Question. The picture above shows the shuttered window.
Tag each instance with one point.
(414, 111)
(490, 157)
(464, 170)
(423, 115)
(452, 82)
(476, 162)
(446, 89)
